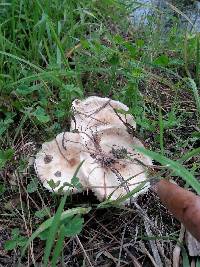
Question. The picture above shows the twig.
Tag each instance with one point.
(85, 253)
(177, 249)
(153, 245)
(100, 108)
(24, 218)
(134, 260)
(121, 246)
(144, 250)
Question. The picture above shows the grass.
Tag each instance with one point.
(54, 52)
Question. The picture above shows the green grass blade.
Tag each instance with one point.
(161, 127)
(58, 53)
(59, 246)
(45, 225)
(198, 262)
(196, 95)
(58, 43)
(55, 224)
(190, 154)
(198, 60)
(48, 223)
(21, 60)
(176, 167)
(129, 194)
(52, 76)
(18, 129)
(186, 262)
(118, 201)
(53, 230)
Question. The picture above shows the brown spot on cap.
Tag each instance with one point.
(48, 159)
(57, 174)
(72, 162)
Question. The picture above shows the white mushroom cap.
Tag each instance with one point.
(111, 164)
(96, 113)
(58, 160)
(111, 168)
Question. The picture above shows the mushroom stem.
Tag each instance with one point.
(183, 204)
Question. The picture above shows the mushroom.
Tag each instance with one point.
(58, 160)
(96, 113)
(112, 167)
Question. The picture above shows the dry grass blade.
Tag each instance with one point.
(177, 249)
(135, 262)
(85, 253)
(145, 251)
(120, 251)
(153, 245)
(178, 11)
(196, 96)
